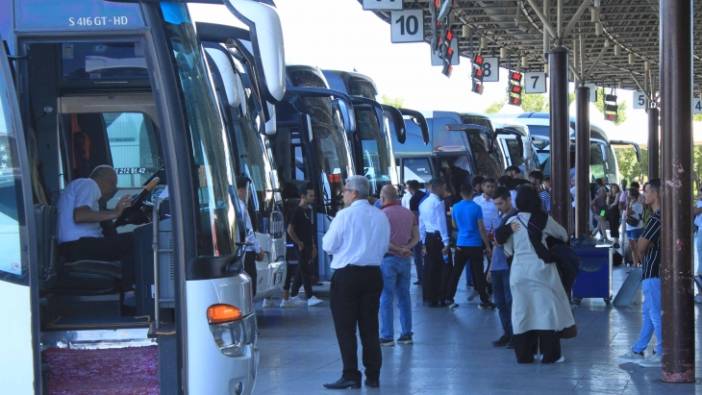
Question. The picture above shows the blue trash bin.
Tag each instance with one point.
(594, 279)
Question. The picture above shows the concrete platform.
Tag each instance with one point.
(453, 354)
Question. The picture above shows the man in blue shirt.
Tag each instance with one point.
(471, 241)
(500, 271)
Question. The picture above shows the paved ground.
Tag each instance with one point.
(452, 354)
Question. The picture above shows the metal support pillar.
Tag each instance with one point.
(653, 147)
(676, 235)
(560, 134)
(582, 162)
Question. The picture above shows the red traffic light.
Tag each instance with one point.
(515, 76)
(449, 36)
(517, 89)
(478, 60)
(515, 101)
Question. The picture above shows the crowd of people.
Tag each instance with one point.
(496, 233)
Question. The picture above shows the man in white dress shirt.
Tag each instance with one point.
(433, 232)
(253, 247)
(358, 238)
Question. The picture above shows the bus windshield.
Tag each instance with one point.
(213, 166)
(375, 150)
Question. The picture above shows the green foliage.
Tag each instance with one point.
(630, 168)
(396, 102)
(535, 102)
(495, 107)
(621, 112)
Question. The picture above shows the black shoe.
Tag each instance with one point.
(386, 342)
(486, 306)
(405, 339)
(502, 341)
(372, 383)
(510, 344)
(343, 384)
(417, 283)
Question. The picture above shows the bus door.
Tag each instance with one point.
(19, 359)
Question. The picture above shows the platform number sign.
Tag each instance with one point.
(697, 105)
(407, 26)
(491, 68)
(535, 82)
(382, 4)
(639, 100)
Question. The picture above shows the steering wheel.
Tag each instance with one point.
(134, 214)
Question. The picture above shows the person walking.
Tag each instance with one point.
(301, 230)
(499, 272)
(471, 243)
(613, 212)
(396, 268)
(418, 196)
(540, 307)
(634, 221)
(358, 238)
(650, 248)
(433, 232)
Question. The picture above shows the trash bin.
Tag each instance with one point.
(594, 279)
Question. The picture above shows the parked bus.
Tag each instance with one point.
(459, 147)
(241, 94)
(603, 161)
(311, 146)
(515, 143)
(124, 84)
(371, 144)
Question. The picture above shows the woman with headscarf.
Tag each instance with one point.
(541, 312)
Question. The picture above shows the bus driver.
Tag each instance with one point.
(80, 234)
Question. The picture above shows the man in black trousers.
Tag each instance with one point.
(358, 238)
(433, 232)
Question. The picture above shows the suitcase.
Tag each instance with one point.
(630, 288)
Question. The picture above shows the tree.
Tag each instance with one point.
(621, 105)
(396, 102)
(534, 102)
(495, 107)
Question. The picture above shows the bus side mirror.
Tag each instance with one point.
(348, 118)
(267, 42)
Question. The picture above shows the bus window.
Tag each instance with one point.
(597, 162)
(416, 169)
(516, 154)
(373, 146)
(133, 146)
(486, 163)
(11, 218)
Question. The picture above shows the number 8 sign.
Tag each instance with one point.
(534, 82)
(491, 67)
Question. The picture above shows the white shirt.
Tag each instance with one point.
(81, 192)
(358, 235)
(406, 200)
(491, 216)
(637, 210)
(432, 218)
(251, 240)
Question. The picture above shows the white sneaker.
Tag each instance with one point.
(298, 301)
(631, 356)
(653, 361)
(286, 303)
(561, 359)
(313, 301)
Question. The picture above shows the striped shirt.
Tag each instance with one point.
(545, 200)
(652, 259)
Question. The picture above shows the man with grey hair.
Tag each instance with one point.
(358, 238)
(397, 268)
(80, 212)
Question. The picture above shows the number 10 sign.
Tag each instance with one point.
(406, 26)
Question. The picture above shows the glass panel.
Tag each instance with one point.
(597, 162)
(515, 151)
(214, 171)
(417, 169)
(486, 164)
(374, 150)
(11, 217)
(134, 148)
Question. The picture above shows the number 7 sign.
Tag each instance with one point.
(534, 82)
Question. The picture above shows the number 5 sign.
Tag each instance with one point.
(535, 82)
(639, 100)
(407, 26)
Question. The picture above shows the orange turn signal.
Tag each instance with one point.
(222, 313)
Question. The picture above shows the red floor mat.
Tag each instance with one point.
(121, 371)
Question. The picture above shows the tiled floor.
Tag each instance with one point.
(452, 354)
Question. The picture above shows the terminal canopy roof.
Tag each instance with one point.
(621, 52)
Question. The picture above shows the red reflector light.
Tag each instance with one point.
(479, 60)
(515, 76)
(515, 101)
(516, 89)
(449, 35)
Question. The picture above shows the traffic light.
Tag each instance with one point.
(515, 88)
(446, 52)
(610, 107)
(478, 74)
